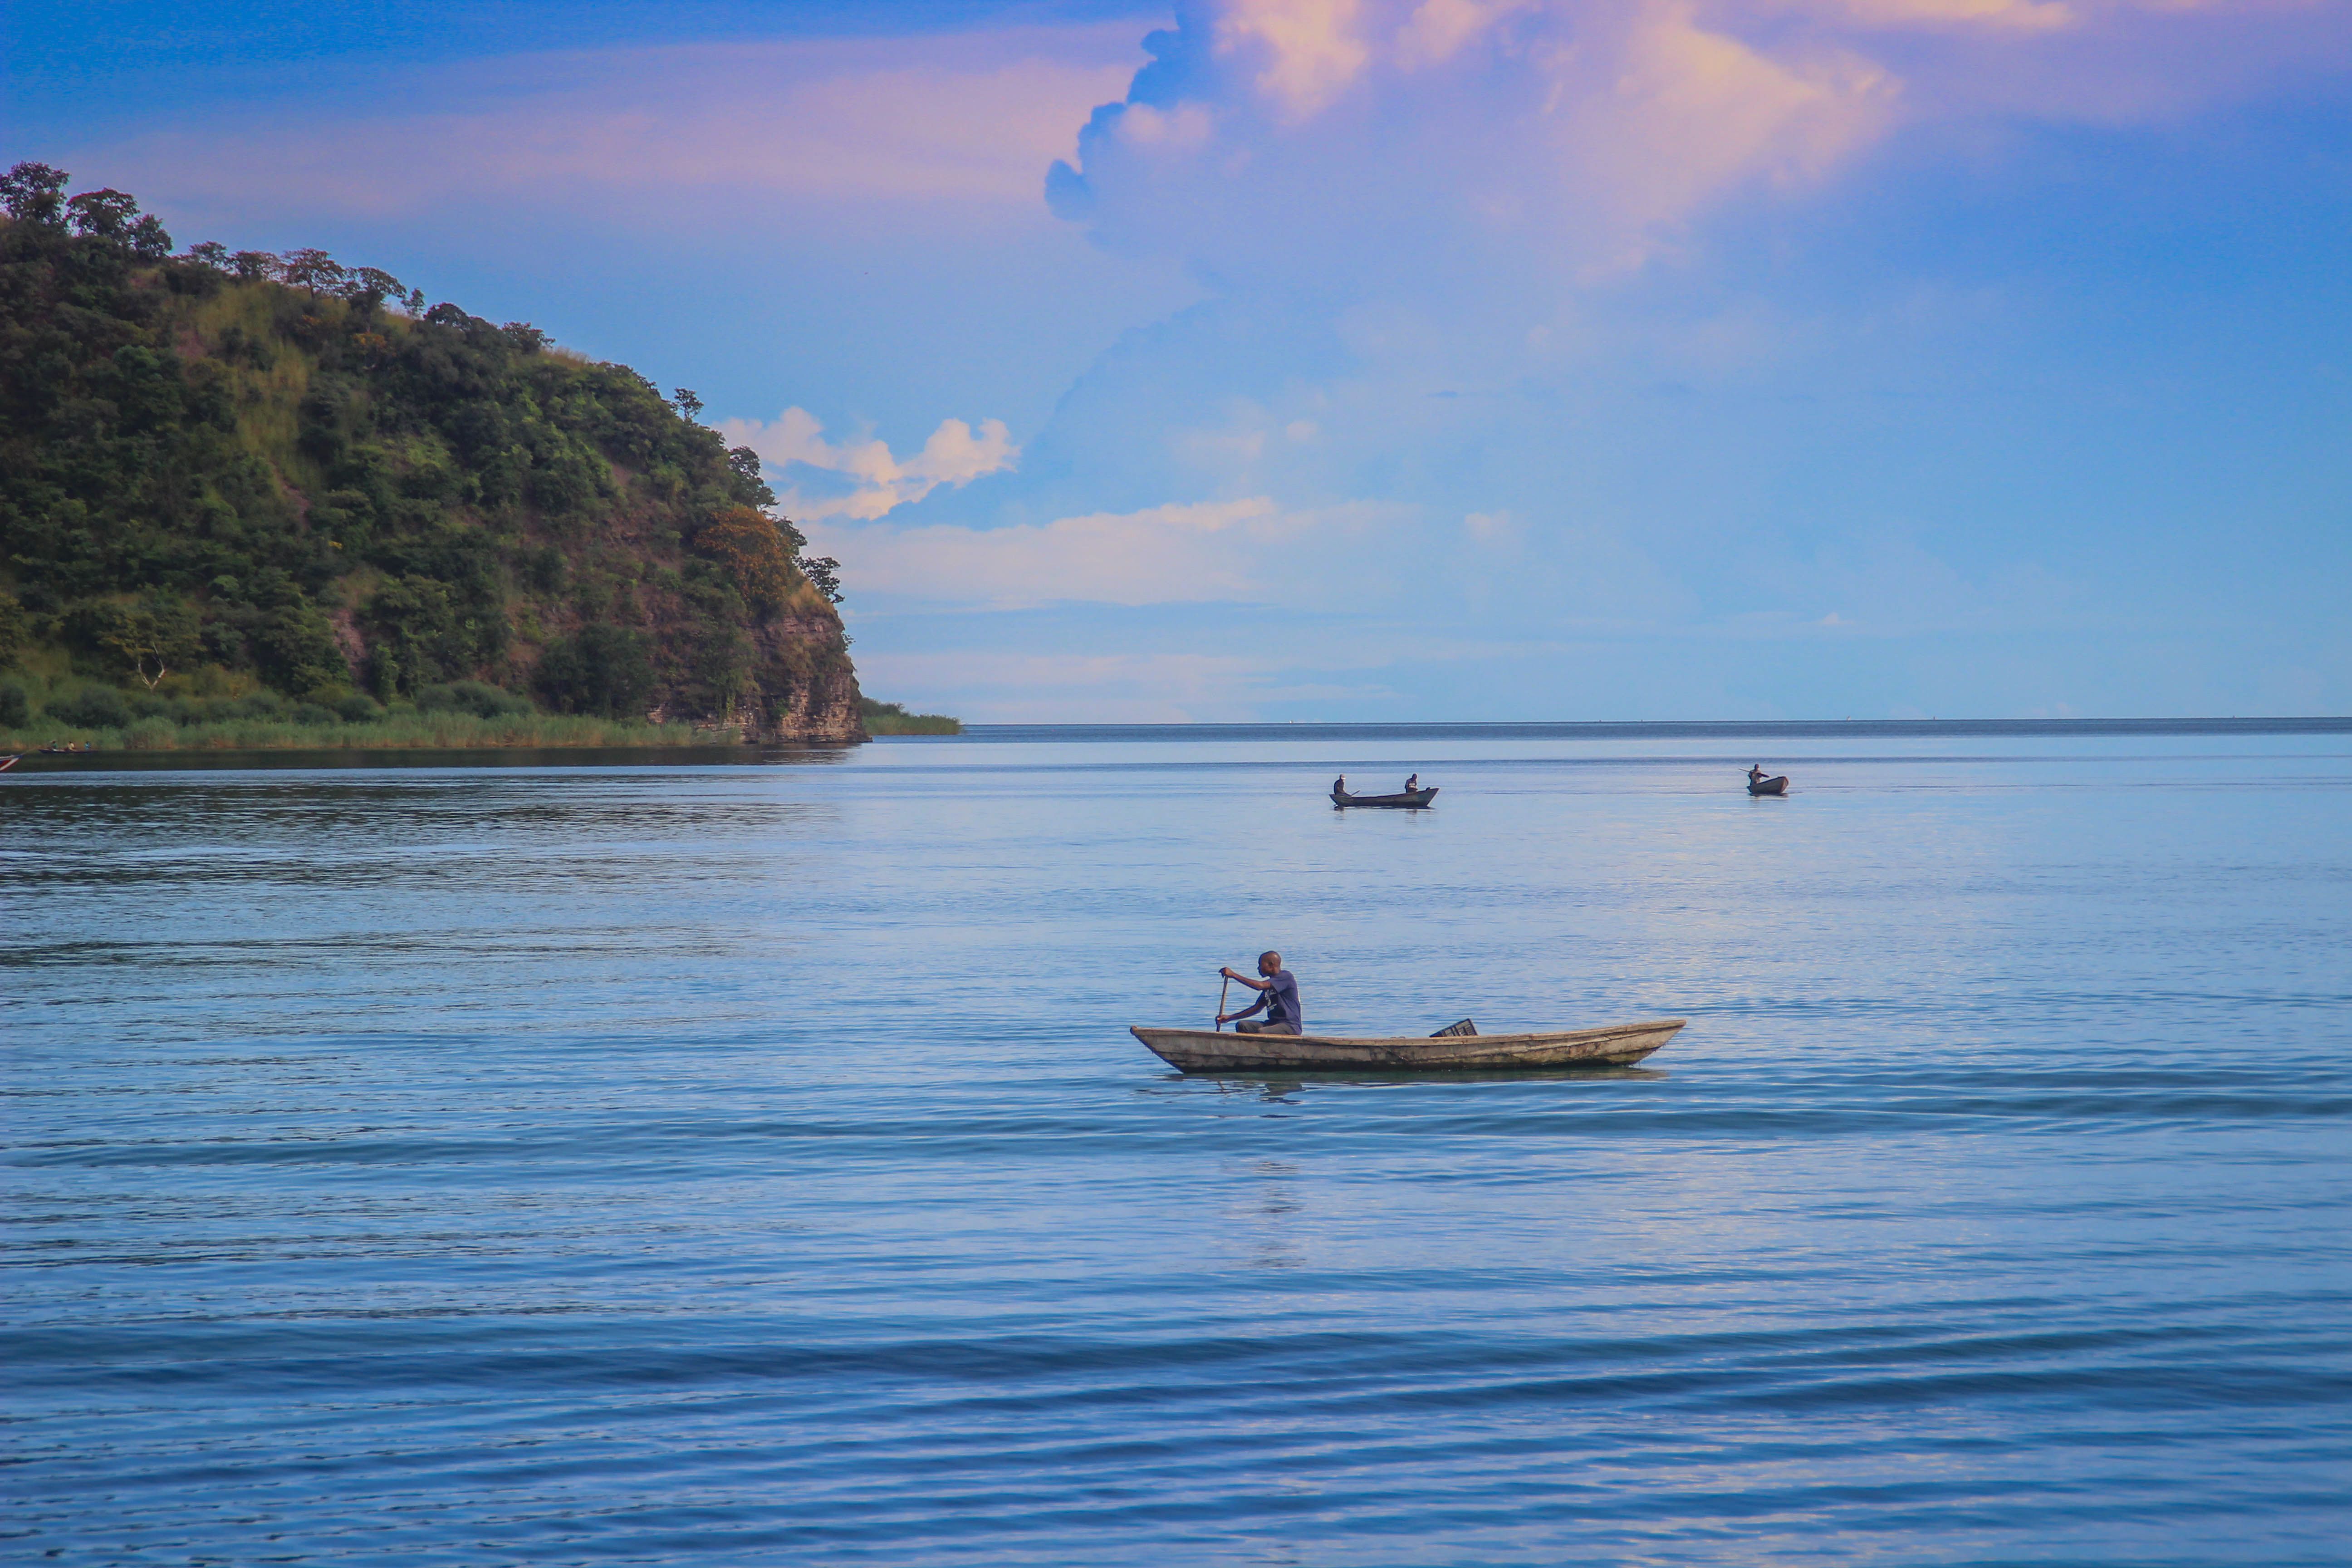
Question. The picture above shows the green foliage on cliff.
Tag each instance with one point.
(222, 476)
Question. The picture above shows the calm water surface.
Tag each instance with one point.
(725, 1162)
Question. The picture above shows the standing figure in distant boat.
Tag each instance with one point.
(1277, 993)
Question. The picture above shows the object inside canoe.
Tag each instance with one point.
(1411, 800)
(1204, 1050)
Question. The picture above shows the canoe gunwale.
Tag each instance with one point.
(1202, 1050)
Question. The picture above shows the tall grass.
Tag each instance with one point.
(404, 730)
(891, 719)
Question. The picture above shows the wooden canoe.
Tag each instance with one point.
(1203, 1050)
(1768, 786)
(1411, 800)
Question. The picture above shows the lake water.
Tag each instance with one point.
(750, 1162)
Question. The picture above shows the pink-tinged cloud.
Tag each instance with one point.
(954, 455)
(964, 119)
(1293, 140)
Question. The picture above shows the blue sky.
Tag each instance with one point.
(1390, 359)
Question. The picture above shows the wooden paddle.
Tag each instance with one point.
(1224, 986)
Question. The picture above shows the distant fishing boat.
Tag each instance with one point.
(1410, 799)
(1768, 786)
(1204, 1050)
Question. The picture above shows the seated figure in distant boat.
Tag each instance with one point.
(1755, 775)
(1411, 783)
(1339, 784)
(1277, 993)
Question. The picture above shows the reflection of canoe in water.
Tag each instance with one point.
(1411, 800)
(1768, 786)
(1201, 1050)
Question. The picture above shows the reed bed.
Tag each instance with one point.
(393, 731)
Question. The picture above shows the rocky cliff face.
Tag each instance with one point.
(811, 692)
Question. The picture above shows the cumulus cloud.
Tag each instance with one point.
(878, 483)
(1339, 141)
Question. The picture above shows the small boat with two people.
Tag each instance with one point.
(1413, 797)
(1758, 785)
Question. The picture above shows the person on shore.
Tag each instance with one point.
(1277, 993)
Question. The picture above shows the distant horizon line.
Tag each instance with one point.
(2317, 724)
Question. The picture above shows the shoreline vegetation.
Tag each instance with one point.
(891, 719)
(86, 716)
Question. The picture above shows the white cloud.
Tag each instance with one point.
(955, 454)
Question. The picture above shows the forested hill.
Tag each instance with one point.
(225, 472)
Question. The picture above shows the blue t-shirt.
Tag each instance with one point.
(1282, 1001)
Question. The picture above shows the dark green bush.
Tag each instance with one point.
(476, 697)
(357, 709)
(15, 705)
(606, 670)
(314, 713)
(91, 708)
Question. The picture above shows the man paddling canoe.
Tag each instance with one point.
(1277, 993)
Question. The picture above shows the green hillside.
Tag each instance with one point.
(244, 488)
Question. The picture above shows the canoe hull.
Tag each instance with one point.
(1770, 786)
(1406, 800)
(1202, 1050)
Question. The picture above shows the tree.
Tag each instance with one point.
(149, 240)
(103, 215)
(824, 574)
(253, 266)
(372, 286)
(313, 270)
(35, 193)
(605, 670)
(686, 402)
(745, 541)
(160, 633)
(212, 253)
